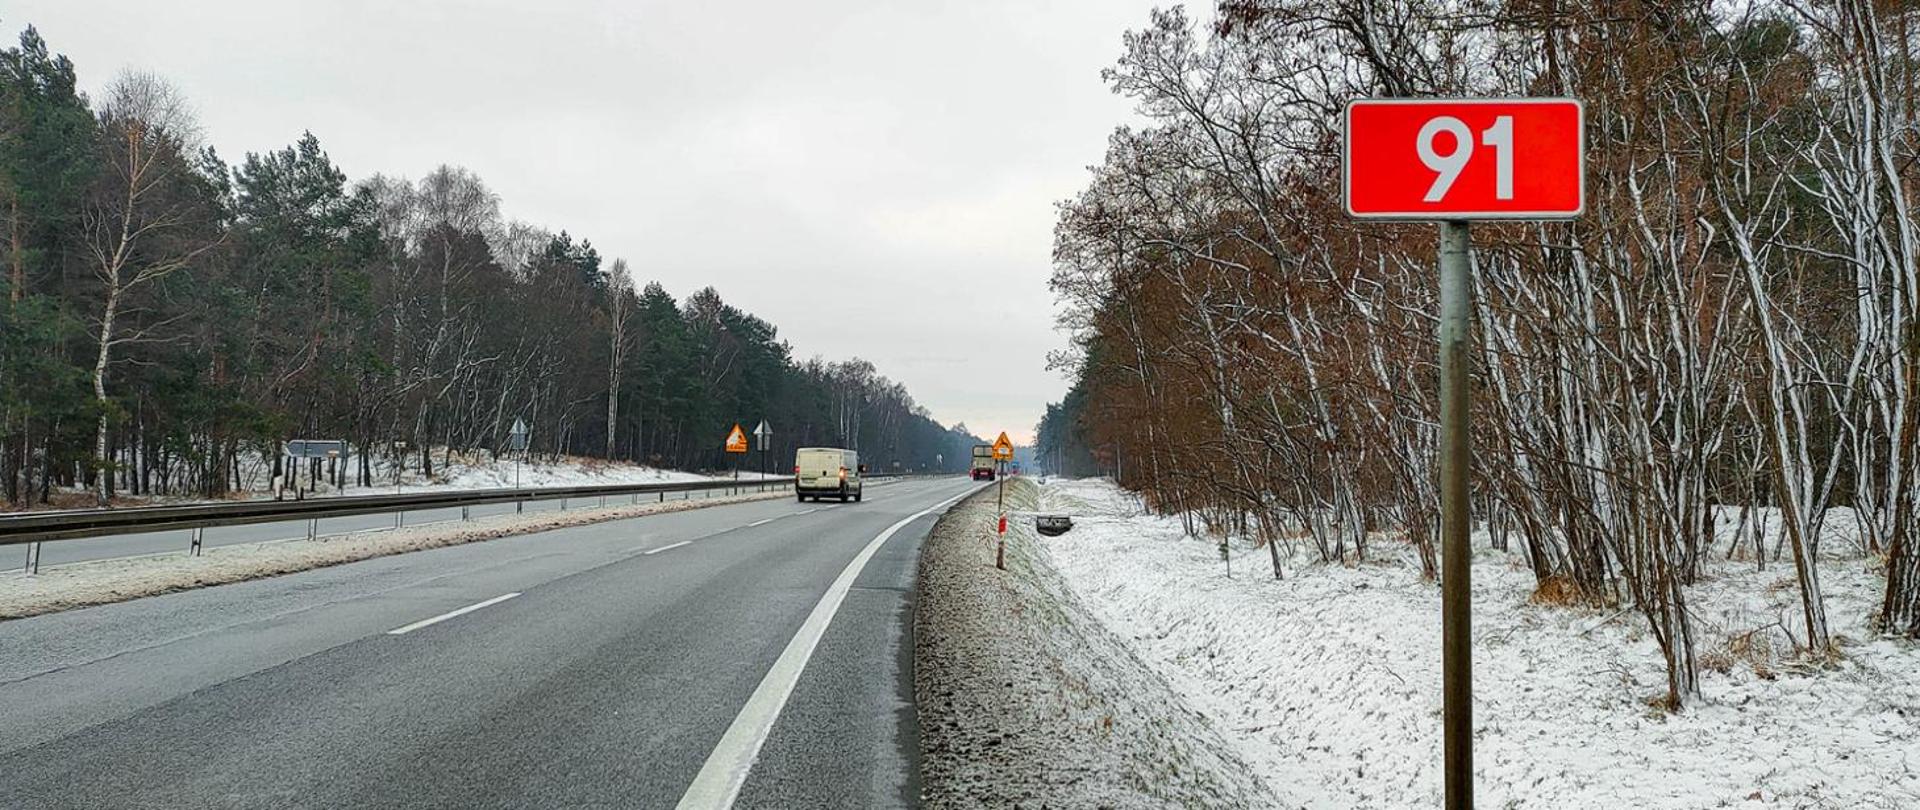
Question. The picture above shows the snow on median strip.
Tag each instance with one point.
(400, 631)
(100, 582)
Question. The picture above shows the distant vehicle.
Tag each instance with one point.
(982, 462)
(827, 472)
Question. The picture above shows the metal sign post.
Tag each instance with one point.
(1456, 595)
(1458, 160)
(1002, 453)
(736, 445)
(308, 452)
(763, 436)
(517, 439)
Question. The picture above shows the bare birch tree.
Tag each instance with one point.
(141, 226)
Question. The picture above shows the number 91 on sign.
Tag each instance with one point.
(1464, 159)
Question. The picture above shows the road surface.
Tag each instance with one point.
(603, 665)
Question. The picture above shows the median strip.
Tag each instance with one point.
(398, 631)
(96, 582)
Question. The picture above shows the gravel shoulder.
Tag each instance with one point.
(1026, 700)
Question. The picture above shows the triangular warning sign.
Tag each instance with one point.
(1003, 448)
(737, 440)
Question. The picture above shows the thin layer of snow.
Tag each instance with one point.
(1025, 701)
(568, 472)
(463, 472)
(1329, 681)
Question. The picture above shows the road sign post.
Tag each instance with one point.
(1456, 461)
(1002, 453)
(763, 435)
(307, 453)
(1455, 161)
(736, 445)
(517, 445)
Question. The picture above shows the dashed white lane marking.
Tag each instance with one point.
(720, 779)
(807, 512)
(445, 616)
(762, 522)
(668, 547)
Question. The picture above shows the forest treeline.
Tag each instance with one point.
(168, 315)
(1732, 323)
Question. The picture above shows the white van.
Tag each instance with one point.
(827, 472)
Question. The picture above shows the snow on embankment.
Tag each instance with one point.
(1329, 681)
(1026, 701)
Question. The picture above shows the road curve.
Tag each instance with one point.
(592, 666)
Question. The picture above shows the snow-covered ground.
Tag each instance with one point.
(481, 473)
(458, 472)
(1025, 701)
(1329, 681)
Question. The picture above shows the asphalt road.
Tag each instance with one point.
(609, 680)
(180, 540)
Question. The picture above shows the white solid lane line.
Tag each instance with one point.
(762, 522)
(668, 547)
(445, 616)
(720, 779)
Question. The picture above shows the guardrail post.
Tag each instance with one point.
(36, 530)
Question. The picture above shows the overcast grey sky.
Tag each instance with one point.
(876, 178)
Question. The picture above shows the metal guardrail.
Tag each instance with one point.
(37, 527)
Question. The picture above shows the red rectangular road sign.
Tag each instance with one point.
(1465, 158)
